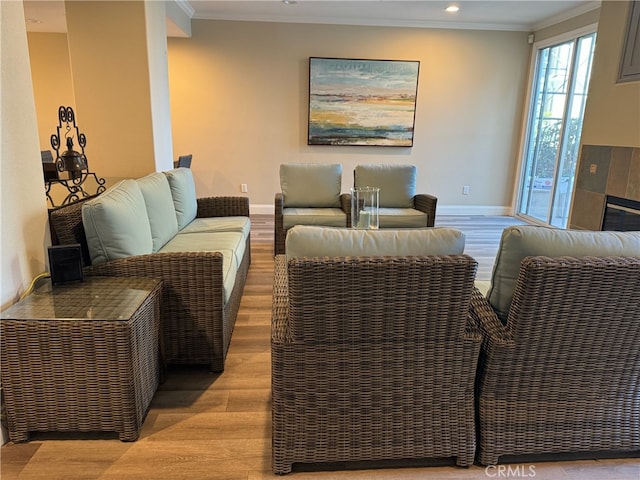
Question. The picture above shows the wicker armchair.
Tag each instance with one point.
(310, 196)
(562, 375)
(373, 358)
(197, 328)
(400, 205)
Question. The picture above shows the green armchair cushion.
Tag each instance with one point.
(523, 241)
(311, 185)
(183, 192)
(314, 241)
(160, 210)
(329, 217)
(402, 218)
(397, 183)
(116, 223)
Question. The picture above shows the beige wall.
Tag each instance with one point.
(110, 72)
(23, 225)
(23, 221)
(130, 102)
(612, 115)
(52, 86)
(155, 14)
(239, 99)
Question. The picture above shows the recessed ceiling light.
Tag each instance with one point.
(289, 2)
(33, 20)
(452, 8)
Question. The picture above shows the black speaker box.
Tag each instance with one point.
(65, 263)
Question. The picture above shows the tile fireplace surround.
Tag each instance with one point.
(603, 170)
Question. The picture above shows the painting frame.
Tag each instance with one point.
(362, 102)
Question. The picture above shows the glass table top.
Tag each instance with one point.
(96, 298)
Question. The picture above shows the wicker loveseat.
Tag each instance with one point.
(560, 365)
(155, 227)
(373, 356)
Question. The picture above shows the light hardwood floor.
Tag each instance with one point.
(203, 426)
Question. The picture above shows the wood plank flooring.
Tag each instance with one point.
(482, 235)
(204, 426)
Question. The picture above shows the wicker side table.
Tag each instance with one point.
(82, 357)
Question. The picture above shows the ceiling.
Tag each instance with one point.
(515, 15)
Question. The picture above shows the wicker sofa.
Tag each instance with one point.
(199, 247)
(373, 352)
(561, 344)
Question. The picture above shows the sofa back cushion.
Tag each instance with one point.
(160, 210)
(523, 241)
(183, 192)
(311, 185)
(116, 223)
(315, 241)
(397, 183)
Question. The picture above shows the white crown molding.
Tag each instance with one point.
(369, 22)
(574, 12)
(186, 7)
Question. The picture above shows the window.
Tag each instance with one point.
(558, 98)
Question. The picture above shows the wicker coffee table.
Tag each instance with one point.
(81, 357)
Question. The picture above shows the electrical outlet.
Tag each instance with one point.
(244, 188)
(465, 190)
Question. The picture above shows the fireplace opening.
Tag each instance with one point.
(621, 214)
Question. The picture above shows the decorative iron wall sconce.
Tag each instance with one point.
(74, 163)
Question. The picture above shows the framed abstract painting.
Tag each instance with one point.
(362, 102)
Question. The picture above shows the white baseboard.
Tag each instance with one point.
(464, 210)
(261, 209)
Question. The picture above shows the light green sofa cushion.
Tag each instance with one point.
(402, 218)
(523, 241)
(160, 210)
(183, 192)
(116, 223)
(311, 185)
(397, 183)
(329, 217)
(219, 224)
(313, 241)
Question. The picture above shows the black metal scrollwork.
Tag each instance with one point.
(75, 163)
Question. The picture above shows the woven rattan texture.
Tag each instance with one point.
(197, 323)
(223, 207)
(426, 203)
(372, 359)
(82, 374)
(67, 227)
(563, 375)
